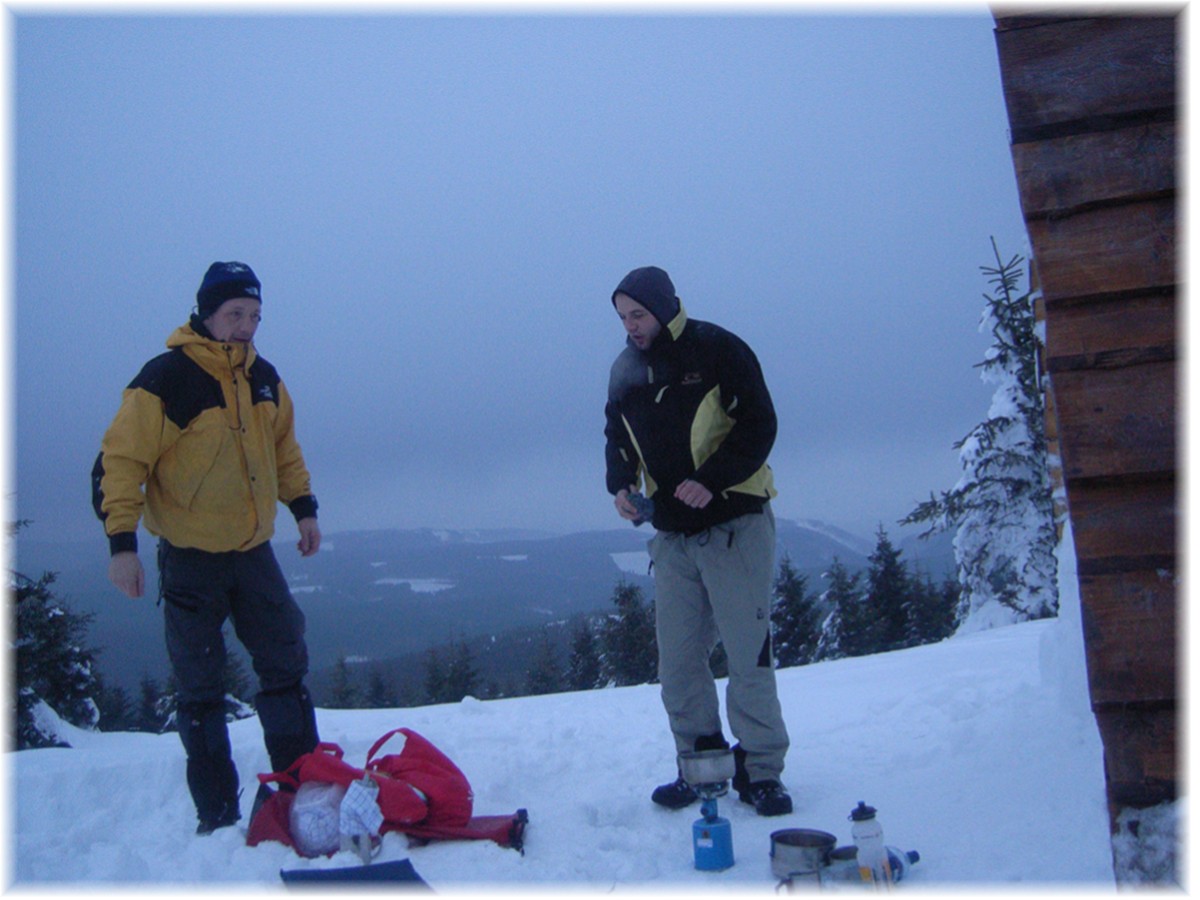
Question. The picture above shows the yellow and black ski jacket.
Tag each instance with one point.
(204, 447)
(695, 406)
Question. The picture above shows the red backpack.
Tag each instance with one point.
(448, 795)
(419, 788)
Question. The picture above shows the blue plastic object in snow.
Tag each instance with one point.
(712, 839)
(901, 861)
(400, 870)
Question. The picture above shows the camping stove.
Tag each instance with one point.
(708, 773)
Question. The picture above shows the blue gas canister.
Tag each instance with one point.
(712, 839)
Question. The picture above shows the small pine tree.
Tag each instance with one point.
(435, 677)
(462, 679)
(931, 612)
(795, 620)
(52, 664)
(343, 692)
(583, 667)
(544, 675)
(888, 590)
(380, 694)
(1003, 505)
(629, 640)
(844, 599)
(146, 716)
(116, 707)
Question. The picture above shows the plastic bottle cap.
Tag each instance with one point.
(862, 812)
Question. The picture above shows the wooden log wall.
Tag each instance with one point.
(1092, 112)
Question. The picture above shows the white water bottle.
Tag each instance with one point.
(873, 865)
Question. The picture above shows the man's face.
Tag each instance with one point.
(235, 320)
(640, 324)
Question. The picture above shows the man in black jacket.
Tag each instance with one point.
(690, 417)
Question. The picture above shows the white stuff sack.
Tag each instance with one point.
(315, 818)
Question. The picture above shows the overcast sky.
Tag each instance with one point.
(439, 208)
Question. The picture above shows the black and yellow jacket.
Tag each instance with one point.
(204, 447)
(692, 406)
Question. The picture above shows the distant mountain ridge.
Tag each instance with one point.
(381, 594)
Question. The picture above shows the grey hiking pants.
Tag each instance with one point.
(713, 586)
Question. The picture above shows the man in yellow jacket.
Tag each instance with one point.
(201, 450)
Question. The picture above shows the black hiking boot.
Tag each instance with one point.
(209, 824)
(767, 797)
(675, 795)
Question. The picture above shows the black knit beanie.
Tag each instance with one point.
(652, 288)
(224, 281)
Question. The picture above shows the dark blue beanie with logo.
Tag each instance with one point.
(224, 281)
(652, 288)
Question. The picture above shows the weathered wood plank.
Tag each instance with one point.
(1009, 18)
(1114, 249)
(1091, 104)
(1100, 326)
(1130, 632)
(1124, 526)
(1117, 421)
(1081, 69)
(1068, 173)
(1140, 755)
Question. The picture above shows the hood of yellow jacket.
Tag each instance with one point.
(206, 349)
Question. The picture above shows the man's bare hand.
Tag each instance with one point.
(126, 572)
(693, 494)
(310, 536)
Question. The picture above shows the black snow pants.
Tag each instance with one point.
(200, 590)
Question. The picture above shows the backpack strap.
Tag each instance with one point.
(291, 776)
(383, 740)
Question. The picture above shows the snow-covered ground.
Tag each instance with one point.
(971, 756)
(979, 752)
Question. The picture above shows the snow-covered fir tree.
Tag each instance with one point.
(844, 599)
(343, 691)
(436, 690)
(583, 666)
(462, 676)
(380, 692)
(889, 589)
(117, 711)
(452, 681)
(544, 675)
(55, 677)
(630, 647)
(795, 620)
(931, 611)
(1003, 507)
(146, 717)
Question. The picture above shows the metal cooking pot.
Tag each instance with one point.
(799, 851)
(706, 766)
